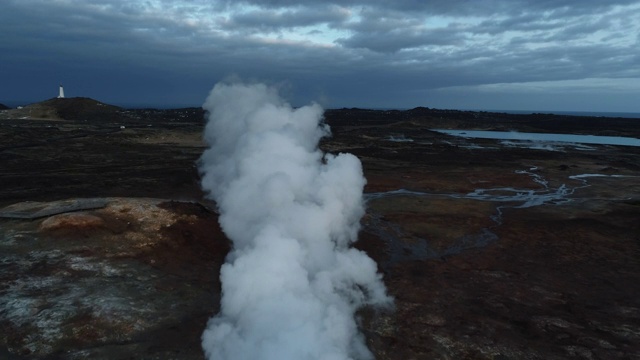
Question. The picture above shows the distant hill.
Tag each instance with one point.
(4, 107)
(77, 108)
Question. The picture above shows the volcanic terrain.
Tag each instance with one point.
(491, 249)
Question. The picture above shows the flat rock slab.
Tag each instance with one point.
(36, 210)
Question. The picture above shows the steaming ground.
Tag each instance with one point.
(292, 284)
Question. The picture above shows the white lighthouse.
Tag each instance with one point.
(61, 93)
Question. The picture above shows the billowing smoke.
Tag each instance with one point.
(292, 283)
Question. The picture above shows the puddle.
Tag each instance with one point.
(542, 137)
(400, 138)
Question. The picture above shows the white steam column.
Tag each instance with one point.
(293, 283)
(61, 93)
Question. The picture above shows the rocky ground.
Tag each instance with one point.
(491, 250)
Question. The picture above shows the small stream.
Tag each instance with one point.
(403, 246)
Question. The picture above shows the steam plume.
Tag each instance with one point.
(292, 284)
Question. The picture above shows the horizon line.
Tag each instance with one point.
(13, 104)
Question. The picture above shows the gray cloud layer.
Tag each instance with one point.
(351, 53)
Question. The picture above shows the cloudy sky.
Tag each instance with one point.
(580, 55)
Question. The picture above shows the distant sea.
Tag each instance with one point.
(571, 113)
(629, 115)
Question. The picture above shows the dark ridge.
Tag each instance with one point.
(4, 107)
(483, 120)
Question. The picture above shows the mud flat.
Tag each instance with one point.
(492, 250)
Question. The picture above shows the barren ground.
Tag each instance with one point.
(491, 251)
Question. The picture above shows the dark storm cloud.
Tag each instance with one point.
(269, 20)
(446, 7)
(353, 52)
(392, 31)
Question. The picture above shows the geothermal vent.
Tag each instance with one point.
(292, 283)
